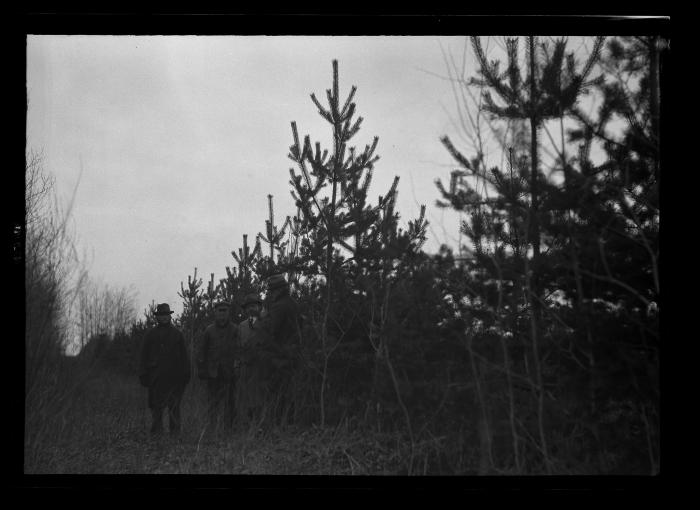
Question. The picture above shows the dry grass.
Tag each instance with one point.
(104, 429)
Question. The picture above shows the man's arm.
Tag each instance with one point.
(273, 322)
(279, 328)
(144, 362)
(203, 356)
(185, 357)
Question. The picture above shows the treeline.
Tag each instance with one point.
(53, 274)
(563, 287)
(65, 311)
(535, 348)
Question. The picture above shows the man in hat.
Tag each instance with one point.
(282, 325)
(218, 362)
(250, 384)
(164, 369)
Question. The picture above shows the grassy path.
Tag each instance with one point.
(105, 431)
(136, 453)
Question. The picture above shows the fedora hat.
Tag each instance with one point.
(163, 309)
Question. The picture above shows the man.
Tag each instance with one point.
(281, 325)
(250, 384)
(282, 317)
(217, 364)
(164, 370)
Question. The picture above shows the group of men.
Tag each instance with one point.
(246, 366)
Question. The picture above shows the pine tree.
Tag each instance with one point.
(559, 220)
(615, 228)
(343, 235)
(194, 313)
(590, 294)
(283, 253)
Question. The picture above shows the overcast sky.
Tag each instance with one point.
(180, 139)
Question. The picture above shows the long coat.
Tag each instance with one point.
(282, 321)
(250, 389)
(281, 325)
(164, 366)
(218, 354)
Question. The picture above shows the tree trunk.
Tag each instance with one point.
(533, 276)
(654, 98)
(534, 191)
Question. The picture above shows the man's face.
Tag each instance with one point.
(163, 318)
(253, 310)
(221, 315)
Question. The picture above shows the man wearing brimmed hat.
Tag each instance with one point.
(218, 360)
(282, 325)
(249, 384)
(164, 369)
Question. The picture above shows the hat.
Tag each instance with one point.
(163, 309)
(276, 281)
(252, 298)
(222, 304)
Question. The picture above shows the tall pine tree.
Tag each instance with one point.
(562, 264)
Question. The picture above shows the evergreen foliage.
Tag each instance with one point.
(536, 353)
(563, 285)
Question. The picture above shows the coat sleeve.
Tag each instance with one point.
(273, 323)
(203, 348)
(185, 358)
(278, 331)
(145, 360)
(203, 354)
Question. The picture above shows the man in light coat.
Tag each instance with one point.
(217, 362)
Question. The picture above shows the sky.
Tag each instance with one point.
(175, 142)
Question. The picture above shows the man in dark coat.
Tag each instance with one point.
(218, 361)
(164, 370)
(250, 383)
(281, 324)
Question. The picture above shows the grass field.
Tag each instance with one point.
(103, 429)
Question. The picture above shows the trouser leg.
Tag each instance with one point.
(157, 426)
(254, 415)
(229, 403)
(256, 398)
(291, 400)
(174, 421)
(214, 396)
(241, 401)
(281, 401)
